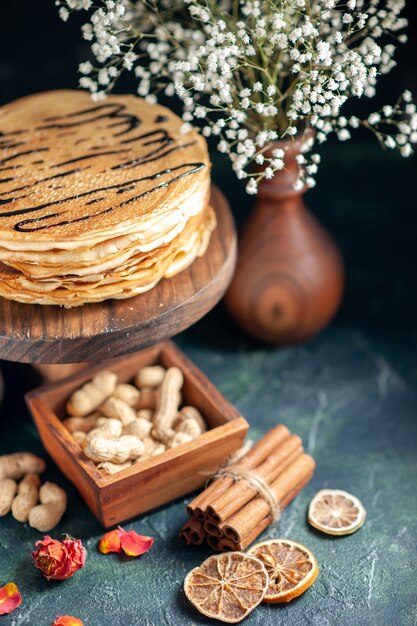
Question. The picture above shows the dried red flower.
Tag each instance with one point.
(67, 620)
(129, 542)
(10, 598)
(58, 560)
(134, 544)
(110, 542)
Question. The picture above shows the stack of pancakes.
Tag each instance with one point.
(97, 199)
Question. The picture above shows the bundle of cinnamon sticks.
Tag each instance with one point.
(233, 510)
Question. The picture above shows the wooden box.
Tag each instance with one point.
(154, 481)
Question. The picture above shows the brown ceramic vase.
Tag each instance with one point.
(289, 278)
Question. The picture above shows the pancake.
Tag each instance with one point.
(86, 259)
(125, 283)
(97, 200)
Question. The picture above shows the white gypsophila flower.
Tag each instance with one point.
(63, 14)
(374, 118)
(252, 72)
(85, 68)
(252, 187)
(343, 134)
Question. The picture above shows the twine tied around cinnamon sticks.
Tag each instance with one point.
(256, 481)
(235, 507)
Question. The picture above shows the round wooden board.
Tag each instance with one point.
(33, 333)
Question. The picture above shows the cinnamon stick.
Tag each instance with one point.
(256, 455)
(250, 518)
(211, 528)
(227, 544)
(213, 542)
(241, 492)
(250, 538)
(193, 533)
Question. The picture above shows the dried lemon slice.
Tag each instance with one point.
(291, 568)
(336, 512)
(227, 586)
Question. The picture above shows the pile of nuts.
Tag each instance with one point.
(41, 506)
(118, 424)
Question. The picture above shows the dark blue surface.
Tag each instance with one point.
(350, 393)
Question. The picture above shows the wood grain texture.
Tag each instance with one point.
(93, 332)
(157, 480)
(289, 277)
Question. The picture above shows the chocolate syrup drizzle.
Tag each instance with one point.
(20, 154)
(156, 143)
(109, 110)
